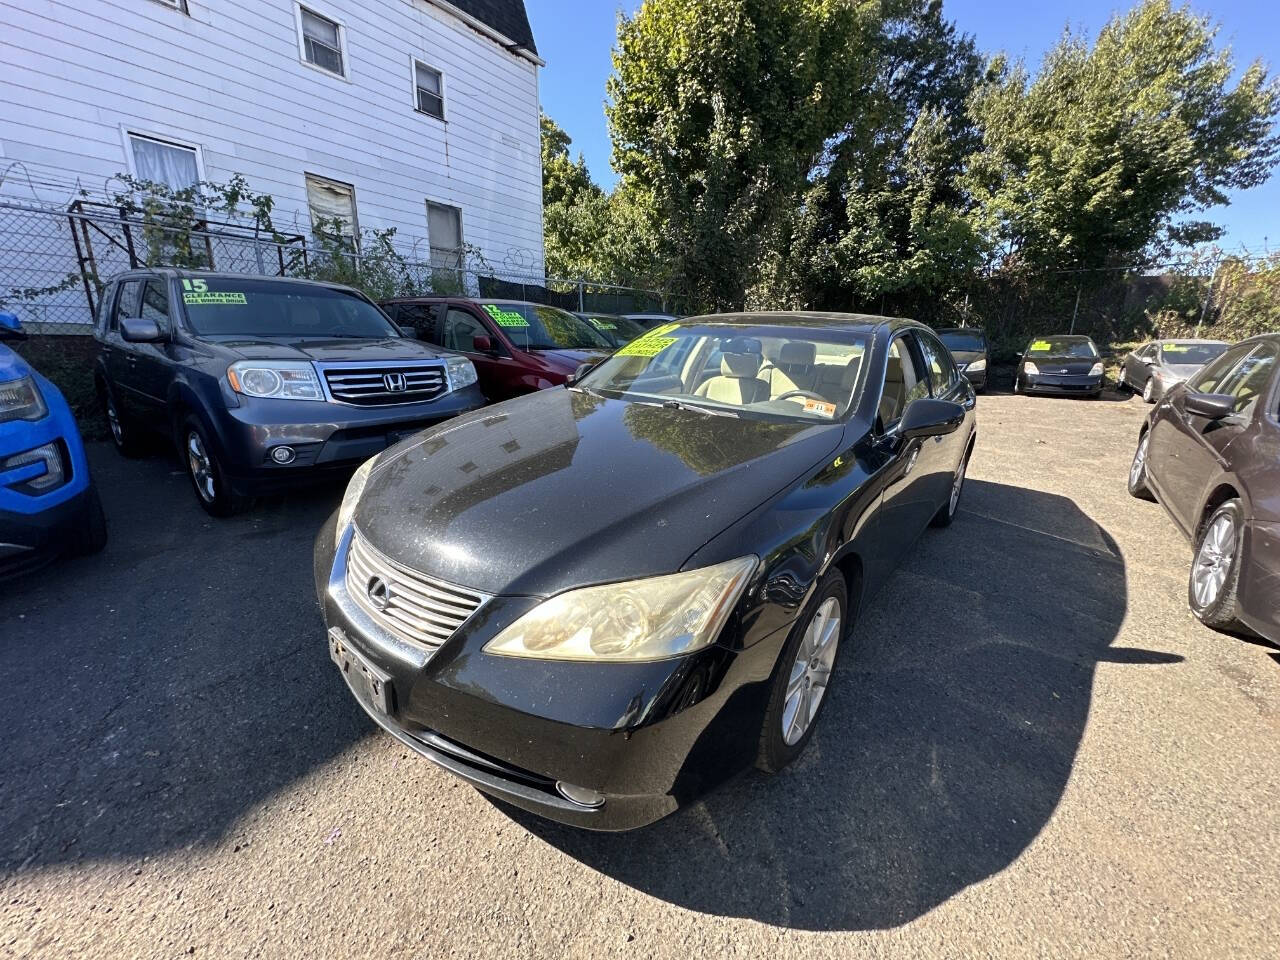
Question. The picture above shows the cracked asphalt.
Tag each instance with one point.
(1035, 751)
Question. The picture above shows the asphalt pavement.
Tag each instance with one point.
(1032, 749)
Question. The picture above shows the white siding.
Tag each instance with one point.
(228, 78)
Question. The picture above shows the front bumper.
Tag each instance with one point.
(1066, 384)
(29, 540)
(976, 377)
(649, 737)
(325, 437)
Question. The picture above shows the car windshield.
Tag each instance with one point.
(1062, 347)
(617, 329)
(758, 371)
(1191, 354)
(243, 306)
(963, 340)
(532, 326)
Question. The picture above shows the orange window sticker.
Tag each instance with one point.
(820, 408)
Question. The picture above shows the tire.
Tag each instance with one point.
(779, 747)
(124, 435)
(93, 536)
(1149, 390)
(947, 512)
(1017, 385)
(205, 471)
(1138, 485)
(1215, 569)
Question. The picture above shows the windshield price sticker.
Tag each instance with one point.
(651, 344)
(1176, 348)
(820, 408)
(1041, 346)
(197, 292)
(505, 318)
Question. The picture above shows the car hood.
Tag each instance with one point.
(570, 360)
(967, 356)
(1060, 365)
(12, 366)
(562, 488)
(389, 349)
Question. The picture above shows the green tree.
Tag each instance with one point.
(575, 210)
(1107, 151)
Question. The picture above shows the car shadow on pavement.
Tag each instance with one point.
(957, 711)
(157, 692)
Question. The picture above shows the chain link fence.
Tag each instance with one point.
(54, 262)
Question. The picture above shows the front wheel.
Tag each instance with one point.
(804, 673)
(1149, 391)
(1138, 486)
(1215, 571)
(206, 473)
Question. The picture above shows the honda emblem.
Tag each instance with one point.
(395, 382)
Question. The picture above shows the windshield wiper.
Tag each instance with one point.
(713, 411)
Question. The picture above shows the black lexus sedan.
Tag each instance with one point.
(1065, 365)
(598, 602)
(969, 349)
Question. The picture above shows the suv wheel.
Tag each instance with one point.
(206, 473)
(123, 434)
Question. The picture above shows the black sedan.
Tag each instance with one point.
(969, 349)
(1067, 365)
(598, 602)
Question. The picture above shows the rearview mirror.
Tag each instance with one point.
(11, 327)
(140, 330)
(482, 344)
(1213, 406)
(582, 371)
(930, 418)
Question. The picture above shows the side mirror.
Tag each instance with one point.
(482, 344)
(1212, 406)
(930, 418)
(408, 330)
(140, 330)
(11, 327)
(582, 371)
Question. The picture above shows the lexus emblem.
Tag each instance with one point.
(379, 593)
(395, 382)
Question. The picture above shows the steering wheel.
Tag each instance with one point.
(801, 393)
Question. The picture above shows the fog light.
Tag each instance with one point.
(49, 457)
(283, 455)
(579, 795)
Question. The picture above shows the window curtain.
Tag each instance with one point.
(164, 163)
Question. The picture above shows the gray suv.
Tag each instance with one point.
(261, 381)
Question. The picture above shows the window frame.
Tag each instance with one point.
(1194, 383)
(355, 209)
(118, 304)
(944, 356)
(128, 133)
(161, 283)
(1232, 381)
(414, 63)
(462, 241)
(922, 373)
(323, 13)
(178, 5)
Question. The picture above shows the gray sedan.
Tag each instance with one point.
(1155, 367)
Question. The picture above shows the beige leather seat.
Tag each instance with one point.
(794, 369)
(737, 383)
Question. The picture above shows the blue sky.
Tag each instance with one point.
(575, 37)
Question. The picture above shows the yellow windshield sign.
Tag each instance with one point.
(1041, 346)
(1176, 348)
(651, 344)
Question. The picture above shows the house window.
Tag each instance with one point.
(175, 165)
(176, 4)
(321, 40)
(333, 208)
(428, 90)
(444, 232)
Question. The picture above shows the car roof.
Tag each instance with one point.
(977, 330)
(176, 273)
(1188, 340)
(809, 318)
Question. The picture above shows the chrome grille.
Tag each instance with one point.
(379, 386)
(411, 605)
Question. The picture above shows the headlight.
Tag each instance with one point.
(650, 619)
(275, 379)
(976, 367)
(1029, 367)
(462, 373)
(1095, 370)
(352, 496)
(21, 400)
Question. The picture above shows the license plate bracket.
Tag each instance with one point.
(370, 683)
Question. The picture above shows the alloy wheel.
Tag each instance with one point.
(113, 421)
(1213, 560)
(1149, 391)
(201, 467)
(811, 671)
(1138, 469)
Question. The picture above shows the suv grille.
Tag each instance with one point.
(411, 605)
(378, 386)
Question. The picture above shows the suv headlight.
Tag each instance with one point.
(21, 400)
(1030, 367)
(275, 379)
(1096, 370)
(462, 372)
(976, 367)
(351, 498)
(651, 619)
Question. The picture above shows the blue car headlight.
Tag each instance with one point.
(21, 400)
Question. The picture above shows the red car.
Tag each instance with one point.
(517, 347)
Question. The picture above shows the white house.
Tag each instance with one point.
(416, 114)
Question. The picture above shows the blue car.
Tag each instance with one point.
(48, 503)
